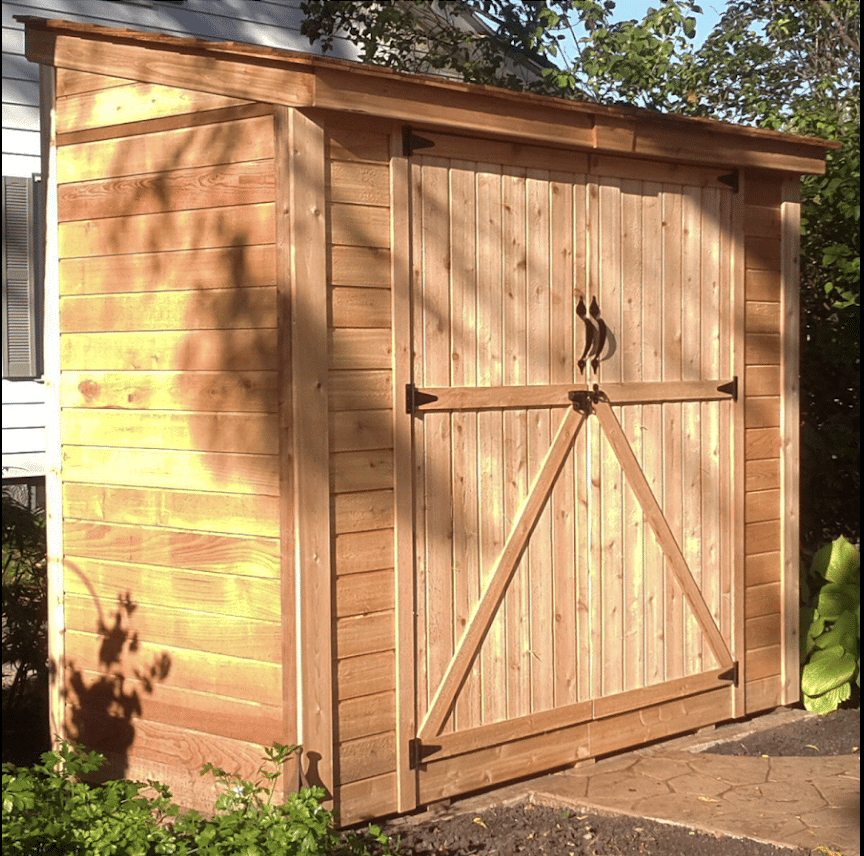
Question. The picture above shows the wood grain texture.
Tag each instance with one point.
(357, 552)
(160, 468)
(181, 189)
(362, 511)
(360, 307)
(359, 225)
(222, 309)
(360, 349)
(366, 758)
(367, 715)
(364, 634)
(204, 712)
(247, 680)
(304, 142)
(52, 373)
(217, 594)
(249, 433)
(351, 389)
(140, 62)
(365, 675)
(790, 331)
(358, 183)
(238, 350)
(231, 226)
(362, 471)
(174, 548)
(364, 593)
(361, 429)
(361, 267)
(207, 392)
(762, 599)
(368, 798)
(245, 638)
(219, 267)
(70, 82)
(224, 142)
(133, 102)
(232, 514)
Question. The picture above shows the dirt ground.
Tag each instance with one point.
(531, 829)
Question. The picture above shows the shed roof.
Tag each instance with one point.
(297, 79)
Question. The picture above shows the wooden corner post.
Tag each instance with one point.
(790, 225)
(302, 244)
(51, 370)
(400, 280)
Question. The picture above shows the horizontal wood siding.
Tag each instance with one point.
(169, 425)
(361, 445)
(763, 629)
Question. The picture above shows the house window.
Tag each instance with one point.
(22, 277)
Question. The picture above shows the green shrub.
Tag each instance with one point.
(25, 611)
(831, 627)
(49, 811)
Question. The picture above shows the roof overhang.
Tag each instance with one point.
(303, 80)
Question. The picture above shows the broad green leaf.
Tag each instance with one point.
(834, 667)
(843, 632)
(844, 564)
(828, 702)
(837, 598)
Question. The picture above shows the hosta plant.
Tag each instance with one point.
(831, 627)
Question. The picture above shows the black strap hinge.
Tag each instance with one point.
(415, 398)
(411, 142)
(417, 752)
(730, 180)
(731, 674)
(730, 388)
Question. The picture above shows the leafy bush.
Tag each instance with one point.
(49, 811)
(831, 627)
(25, 611)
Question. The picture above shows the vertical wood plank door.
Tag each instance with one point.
(570, 410)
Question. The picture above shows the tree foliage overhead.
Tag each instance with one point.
(789, 65)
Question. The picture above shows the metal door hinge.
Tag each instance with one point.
(415, 398)
(731, 674)
(730, 388)
(730, 180)
(417, 752)
(411, 142)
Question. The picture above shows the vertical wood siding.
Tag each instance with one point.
(497, 251)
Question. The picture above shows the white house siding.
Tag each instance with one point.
(274, 23)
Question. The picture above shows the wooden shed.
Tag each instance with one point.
(447, 431)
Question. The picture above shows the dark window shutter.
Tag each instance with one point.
(21, 278)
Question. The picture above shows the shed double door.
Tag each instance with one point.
(571, 412)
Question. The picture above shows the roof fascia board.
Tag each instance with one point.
(252, 78)
(300, 80)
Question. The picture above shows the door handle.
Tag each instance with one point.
(589, 334)
(601, 339)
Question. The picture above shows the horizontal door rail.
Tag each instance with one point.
(421, 400)
(545, 721)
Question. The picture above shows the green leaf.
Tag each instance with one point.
(844, 632)
(844, 564)
(828, 702)
(837, 598)
(826, 670)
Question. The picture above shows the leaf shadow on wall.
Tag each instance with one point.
(101, 706)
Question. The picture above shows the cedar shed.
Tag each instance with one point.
(449, 432)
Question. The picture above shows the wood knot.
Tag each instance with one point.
(89, 389)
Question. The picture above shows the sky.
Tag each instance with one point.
(626, 10)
